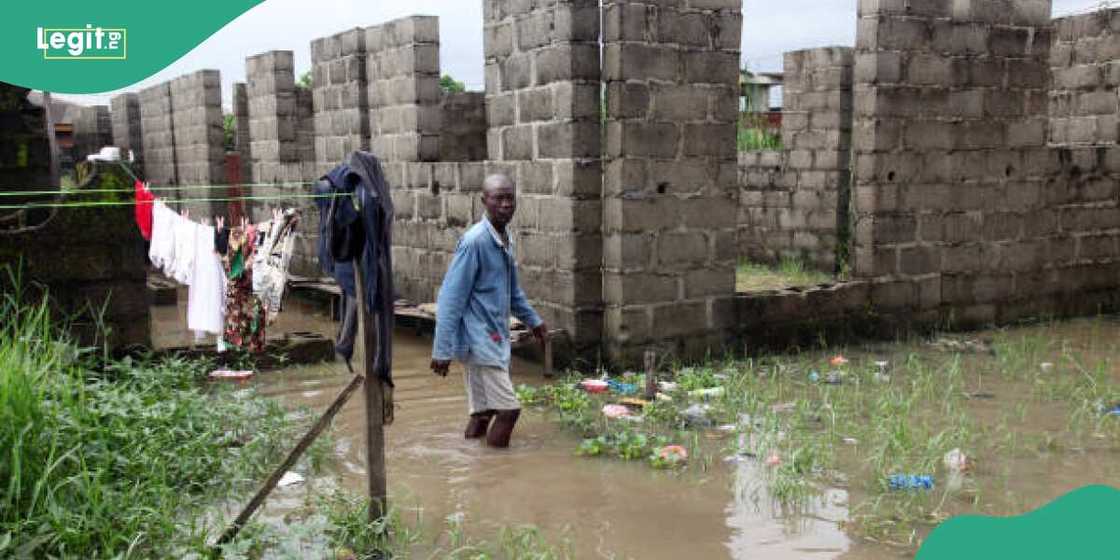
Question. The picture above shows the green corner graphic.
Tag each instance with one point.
(1081, 524)
(155, 34)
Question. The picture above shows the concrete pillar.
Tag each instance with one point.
(196, 102)
(241, 142)
(670, 185)
(127, 133)
(273, 118)
(340, 97)
(159, 135)
(402, 68)
(542, 90)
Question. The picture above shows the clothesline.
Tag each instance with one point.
(56, 192)
(99, 203)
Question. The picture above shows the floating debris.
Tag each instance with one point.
(615, 411)
(838, 361)
(290, 479)
(231, 375)
(673, 453)
(956, 461)
(965, 345)
(773, 460)
(833, 378)
(851, 441)
(594, 385)
(709, 393)
(667, 386)
(910, 482)
(814, 376)
(1046, 367)
(697, 415)
(622, 388)
(637, 403)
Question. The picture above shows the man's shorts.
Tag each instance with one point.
(489, 388)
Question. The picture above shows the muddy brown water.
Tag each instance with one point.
(611, 509)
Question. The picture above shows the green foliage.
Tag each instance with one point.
(229, 132)
(789, 272)
(118, 458)
(305, 80)
(757, 139)
(451, 85)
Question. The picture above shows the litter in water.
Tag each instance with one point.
(622, 388)
(710, 393)
(594, 385)
(615, 411)
(1046, 367)
(783, 407)
(833, 378)
(956, 461)
(851, 441)
(673, 453)
(814, 376)
(697, 415)
(290, 479)
(910, 482)
(838, 361)
(666, 386)
(773, 460)
(231, 375)
(637, 403)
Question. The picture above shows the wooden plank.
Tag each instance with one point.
(375, 406)
(289, 462)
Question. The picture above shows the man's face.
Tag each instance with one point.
(500, 203)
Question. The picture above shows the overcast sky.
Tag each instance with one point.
(770, 27)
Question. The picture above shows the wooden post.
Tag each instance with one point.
(375, 403)
(547, 355)
(651, 383)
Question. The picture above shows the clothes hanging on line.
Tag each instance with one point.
(245, 318)
(182, 265)
(144, 199)
(206, 297)
(162, 249)
(272, 258)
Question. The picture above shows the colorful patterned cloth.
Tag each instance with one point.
(245, 315)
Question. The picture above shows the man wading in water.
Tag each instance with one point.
(479, 293)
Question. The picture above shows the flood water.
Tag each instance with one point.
(607, 509)
(612, 509)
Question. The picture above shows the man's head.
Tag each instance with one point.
(499, 196)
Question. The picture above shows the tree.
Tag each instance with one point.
(450, 85)
(304, 80)
(229, 127)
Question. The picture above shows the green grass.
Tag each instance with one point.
(859, 432)
(755, 139)
(119, 459)
(790, 272)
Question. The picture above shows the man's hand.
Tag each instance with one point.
(440, 367)
(540, 332)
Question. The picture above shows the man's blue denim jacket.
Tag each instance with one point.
(479, 293)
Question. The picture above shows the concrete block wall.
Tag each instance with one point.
(1085, 69)
(794, 207)
(543, 84)
(196, 102)
(340, 96)
(127, 134)
(434, 203)
(159, 135)
(241, 142)
(273, 118)
(462, 132)
(93, 130)
(305, 134)
(402, 69)
(956, 215)
(671, 178)
(765, 206)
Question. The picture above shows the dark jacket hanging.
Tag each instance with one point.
(347, 232)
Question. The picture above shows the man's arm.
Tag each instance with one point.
(452, 302)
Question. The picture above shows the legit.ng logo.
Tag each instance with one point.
(89, 43)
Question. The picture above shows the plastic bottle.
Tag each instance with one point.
(910, 482)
